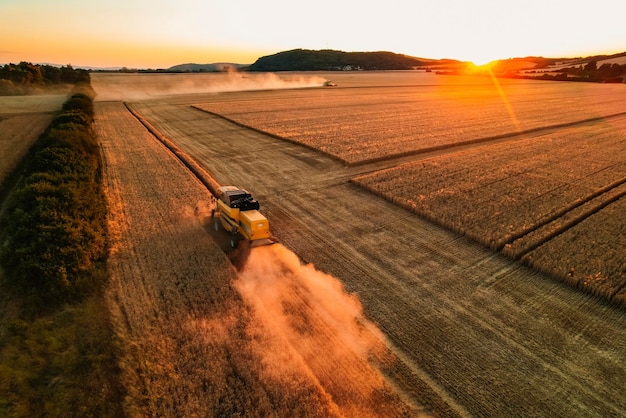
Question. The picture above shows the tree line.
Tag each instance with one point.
(53, 230)
(605, 73)
(26, 78)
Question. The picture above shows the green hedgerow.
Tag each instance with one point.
(54, 230)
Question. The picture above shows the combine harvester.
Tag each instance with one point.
(238, 213)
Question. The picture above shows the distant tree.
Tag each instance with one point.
(24, 78)
(591, 66)
(611, 70)
(51, 74)
(67, 74)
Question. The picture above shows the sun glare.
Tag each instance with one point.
(482, 57)
(483, 62)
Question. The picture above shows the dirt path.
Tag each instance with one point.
(489, 336)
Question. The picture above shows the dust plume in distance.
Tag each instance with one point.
(145, 86)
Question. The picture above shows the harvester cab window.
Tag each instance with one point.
(240, 199)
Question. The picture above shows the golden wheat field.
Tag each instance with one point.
(374, 122)
(365, 308)
(521, 195)
(560, 159)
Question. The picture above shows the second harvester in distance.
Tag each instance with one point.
(238, 213)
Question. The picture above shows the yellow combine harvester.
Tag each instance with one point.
(238, 213)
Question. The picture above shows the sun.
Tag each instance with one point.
(484, 62)
(483, 58)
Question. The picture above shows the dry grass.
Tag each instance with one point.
(14, 105)
(17, 135)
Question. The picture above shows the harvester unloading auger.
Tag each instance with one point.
(238, 213)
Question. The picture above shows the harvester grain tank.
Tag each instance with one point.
(238, 213)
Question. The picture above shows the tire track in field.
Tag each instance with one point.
(337, 245)
(482, 327)
(318, 246)
(180, 324)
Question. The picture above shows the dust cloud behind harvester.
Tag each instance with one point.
(328, 339)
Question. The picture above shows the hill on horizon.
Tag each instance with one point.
(215, 67)
(335, 60)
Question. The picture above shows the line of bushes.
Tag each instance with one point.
(57, 351)
(54, 231)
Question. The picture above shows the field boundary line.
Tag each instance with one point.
(568, 208)
(434, 148)
(282, 138)
(485, 140)
(522, 254)
(192, 165)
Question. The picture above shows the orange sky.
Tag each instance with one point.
(140, 34)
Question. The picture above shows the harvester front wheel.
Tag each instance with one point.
(216, 224)
(234, 242)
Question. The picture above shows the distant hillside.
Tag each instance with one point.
(332, 60)
(597, 68)
(200, 68)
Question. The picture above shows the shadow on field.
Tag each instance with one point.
(237, 256)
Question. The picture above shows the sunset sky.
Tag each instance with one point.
(159, 34)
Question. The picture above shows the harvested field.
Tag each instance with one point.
(16, 105)
(22, 120)
(197, 338)
(468, 332)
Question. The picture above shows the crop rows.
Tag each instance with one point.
(590, 254)
(517, 196)
(378, 123)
